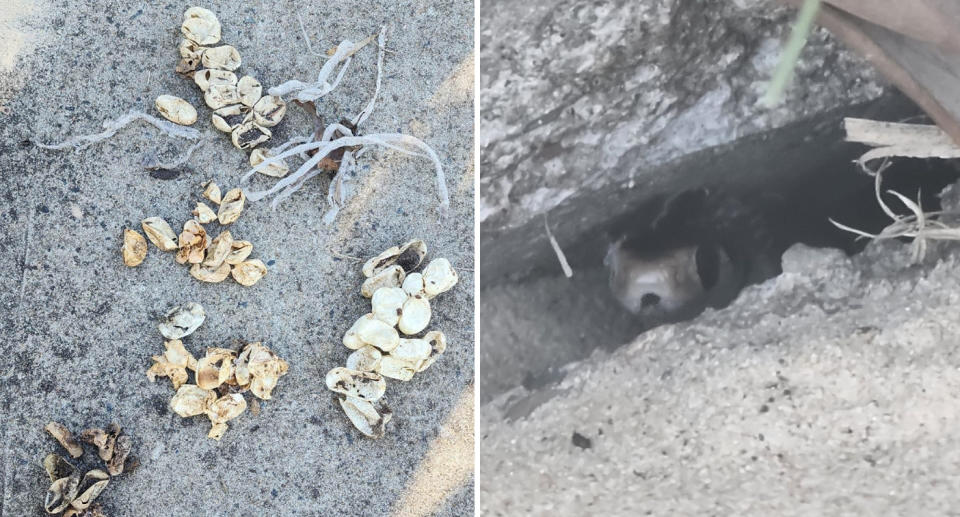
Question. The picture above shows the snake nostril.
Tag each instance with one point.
(649, 300)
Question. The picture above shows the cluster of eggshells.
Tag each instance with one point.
(222, 375)
(210, 260)
(239, 106)
(69, 492)
(400, 304)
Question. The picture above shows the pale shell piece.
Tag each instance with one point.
(276, 169)
(93, 484)
(241, 369)
(187, 66)
(160, 233)
(367, 386)
(249, 135)
(265, 370)
(192, 400)
(219, 249)
(415, 315)
(65, 438)
(193, 243)
(394, 368)
(438, 277)
(224, 57)
(201, 25)
(408, 256)
(392, 276)
(173, 364)
(239, 252)
(413, 284)
(218, 430)
(386, 303)
(250, 90)
(209, 374)
(413, 351)
(182, 321)
(204, 213)
(369, 420)
(438, 345)
(364, 359)
(176, 110)
(134, 248)
(228, 118)
(350, 338)
(372, 331)
(120, 452)
(249, 272)
(212, 192)
(220, 95)
(269, 110)
(190, 49)
(65, 480)
(210, 275)
(226, 408)
(211, 76)
(231, 206)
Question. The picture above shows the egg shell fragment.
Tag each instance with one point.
(438, 277)
(392, 276)
(415, 315)
(387, 303)
(367, 386)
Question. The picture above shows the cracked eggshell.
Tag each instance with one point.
(414, 315)
(249, 272)
(190, 49)
(187, 65)
(231, 206)
(405, 360)
(219, 249)
(364, 359)
(160, 233)
(219, 95)
(182, 321)
(204, 213)
(193, 243)
(408, 256)
(392, 276)
(249, 135)
(173, 364)
(224, 409)
(367, 386)
(65, 481)
(191, 400)
(265, 369)
(269, 110)
(176, 110)
(394, 368)
(215, 368)
(386, 303)
(438, 277)
(438, 345)
(65, 438)
(102, 440)
(239, 251)
(275, 169)
(208, 77)
(201, 26)
(250, 90)
(212, 192)
(134, 248)
(413, 284)
(369, 420)
(224, 57)
(92, 485)
(228, 118)
(372, 331)
(210, 275)
(120, 452)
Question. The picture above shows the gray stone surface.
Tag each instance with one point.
(831, 389)
(588, 108)
(79, 327)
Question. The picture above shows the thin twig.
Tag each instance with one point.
(556, 249)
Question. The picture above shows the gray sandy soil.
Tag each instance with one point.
(831, 389)
(78, 327)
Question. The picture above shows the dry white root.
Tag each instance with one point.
(311, 92)
(221, 377)
(400, 304)
(112, 126)
(902, 140)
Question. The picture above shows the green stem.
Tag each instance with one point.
(791, 53)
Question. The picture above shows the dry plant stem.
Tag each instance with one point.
(112, 126)
(362, 116)
(556, 249)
